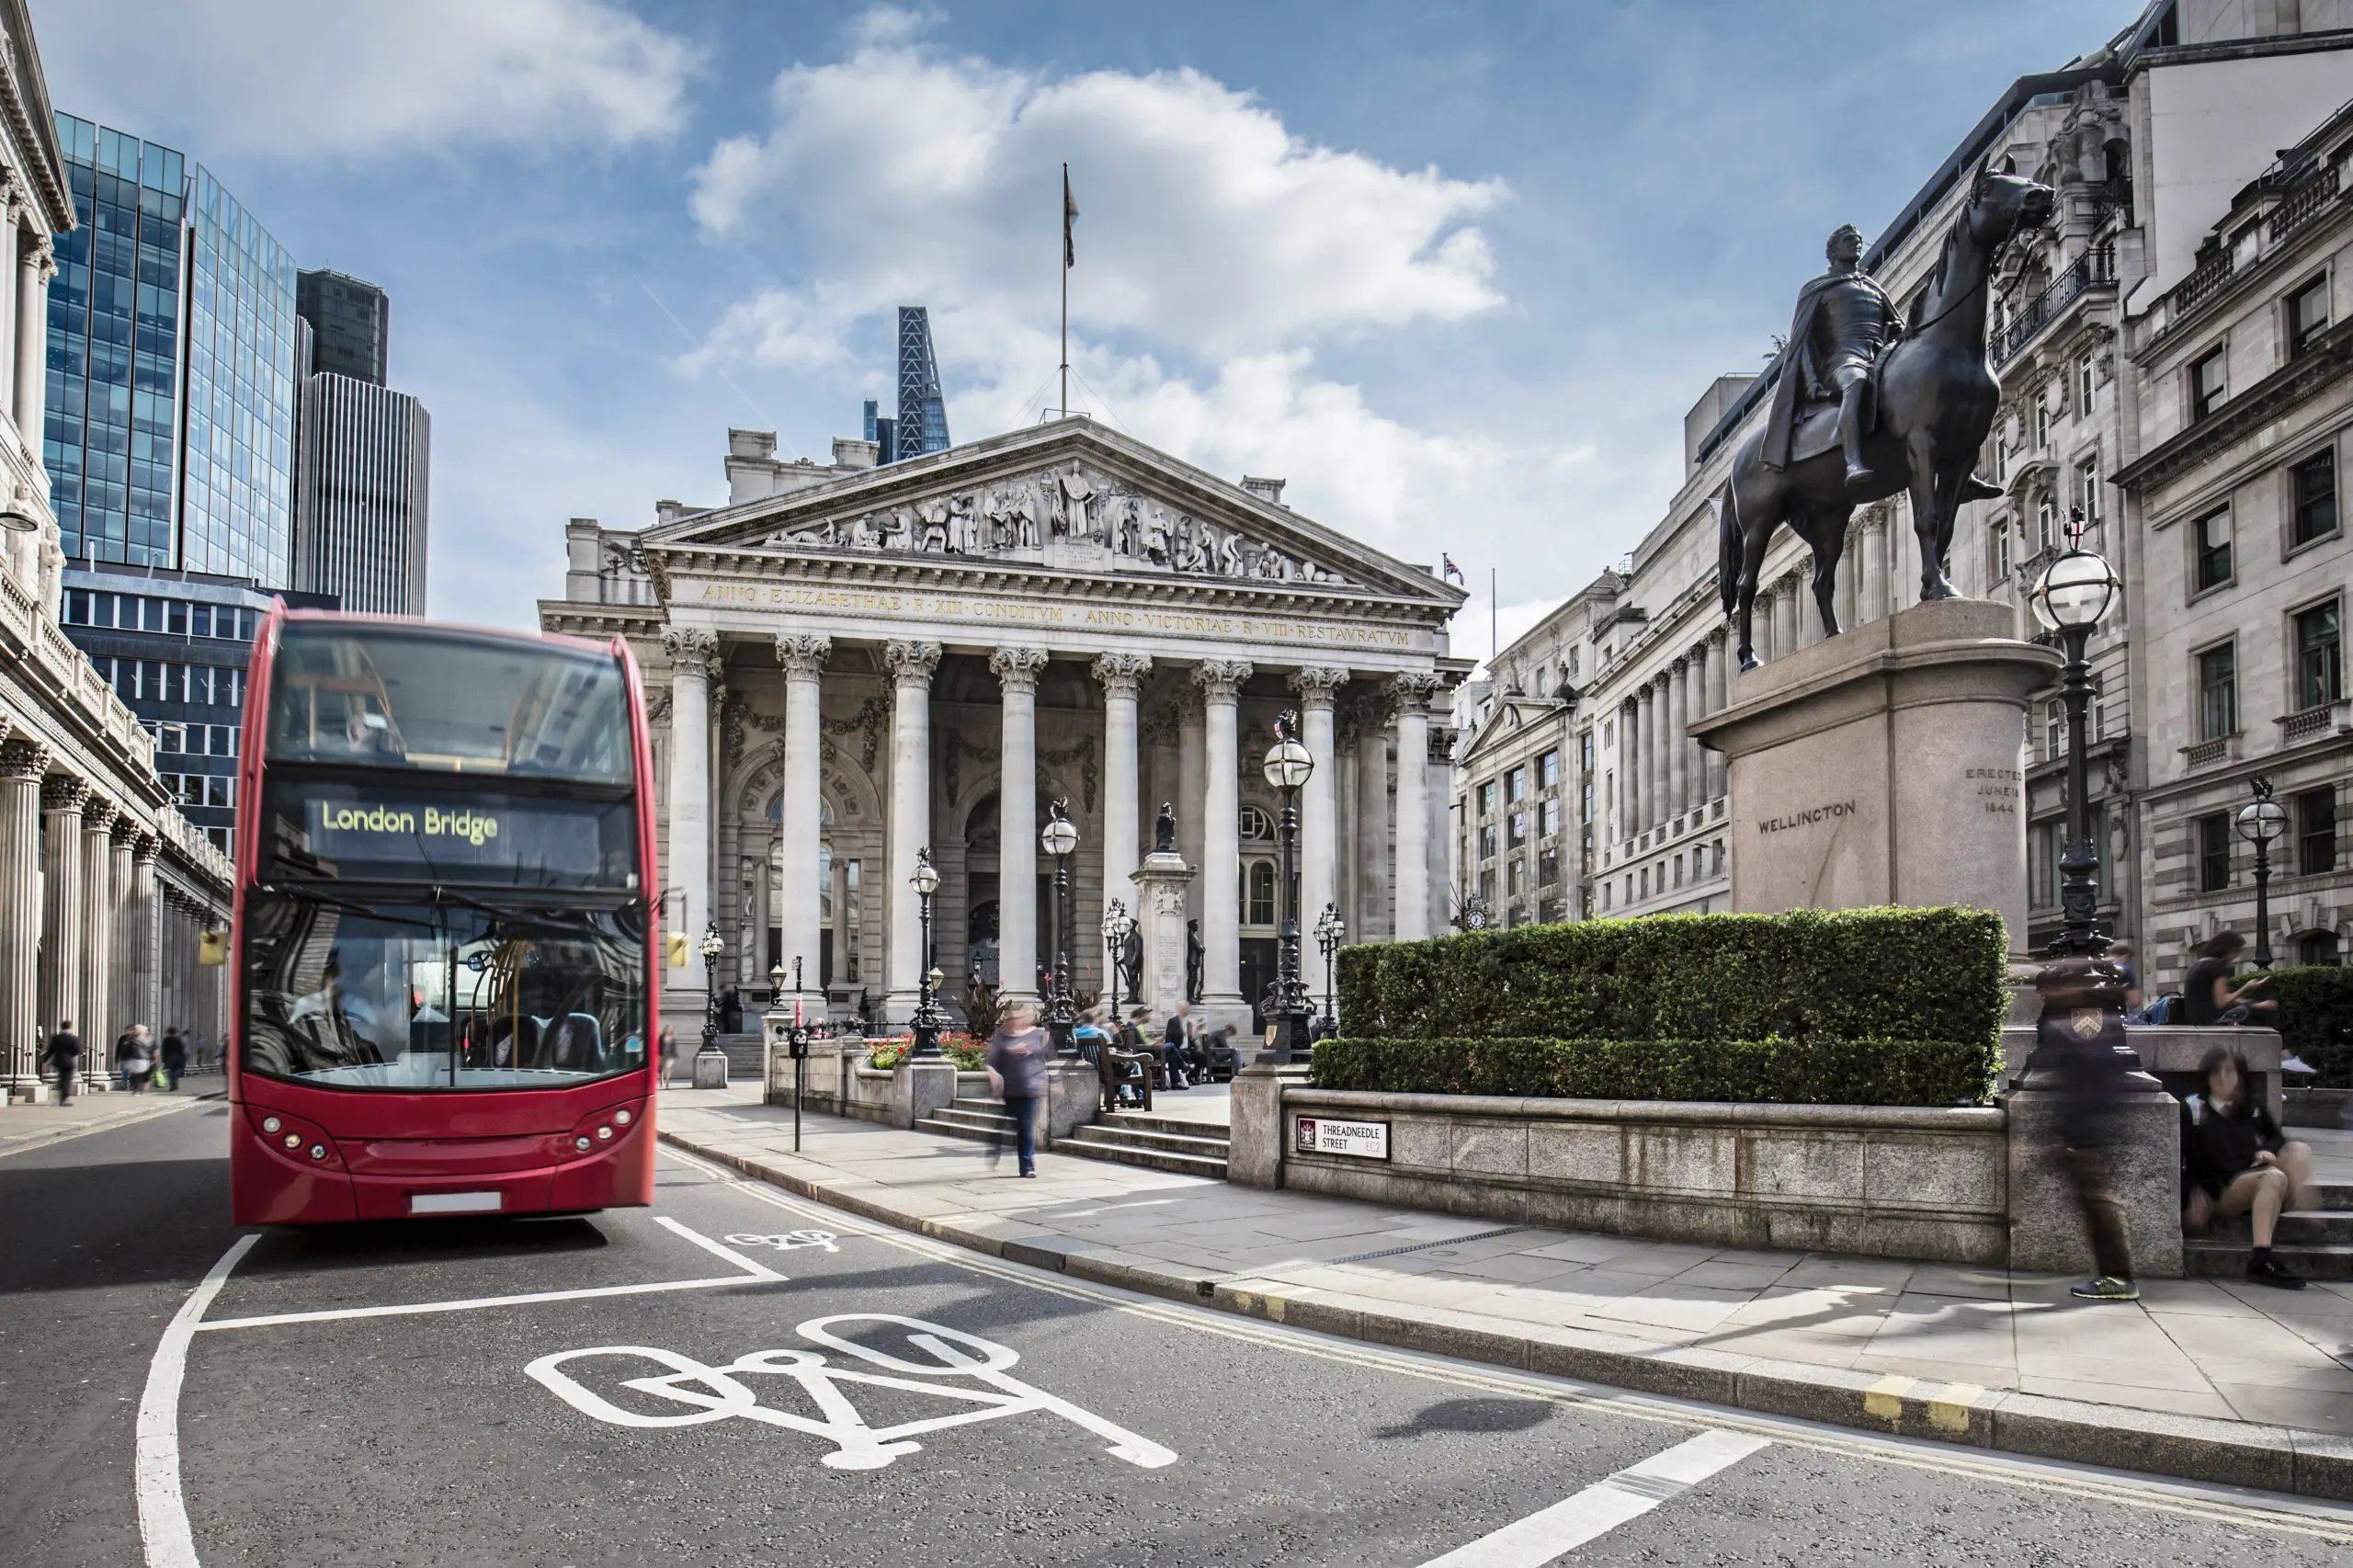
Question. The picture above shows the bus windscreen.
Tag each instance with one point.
(409, 698)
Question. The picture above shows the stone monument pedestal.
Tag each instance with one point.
(1885, 765)
(1161, 882)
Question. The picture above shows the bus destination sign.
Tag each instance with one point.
(349, 831)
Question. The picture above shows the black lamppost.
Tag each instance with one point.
(1288, 768)
(1117, 925)
(1060, 840)
(2262, 820)
(926, 1023)
(712, 946)
(2075, 591)
(1330, 932)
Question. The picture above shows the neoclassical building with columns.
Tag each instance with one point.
(848, 664)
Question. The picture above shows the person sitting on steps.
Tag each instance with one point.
(2240, 1162)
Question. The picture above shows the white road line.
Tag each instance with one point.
(757, 1270)
(414, 1308)
(163, 1511)
(1542, 1537)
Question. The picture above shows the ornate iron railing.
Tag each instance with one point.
(2092, 269)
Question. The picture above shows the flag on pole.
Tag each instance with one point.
(1447, 571)
(1070, 217)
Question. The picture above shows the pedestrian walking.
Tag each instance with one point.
(62, 1056)
(134, 1058)
(1017, 1055)
(669, 1053)
(173, 1053)
(2080, 1037)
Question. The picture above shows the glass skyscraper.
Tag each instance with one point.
(170, 431)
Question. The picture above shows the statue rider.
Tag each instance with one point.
(1845, 322)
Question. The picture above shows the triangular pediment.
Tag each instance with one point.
(1509, 717)
(1067, 497)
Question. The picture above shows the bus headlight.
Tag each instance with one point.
(620, 1119)
(270, 1124)
(604, 1134)
(583, 1144)
(318, 1150)
(293, 1140)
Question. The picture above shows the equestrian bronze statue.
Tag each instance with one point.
(1869, 405)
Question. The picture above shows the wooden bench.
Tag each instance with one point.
(1116, 1067)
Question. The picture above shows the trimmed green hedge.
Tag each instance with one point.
(1857, 974)
(1826, 1072)
(2316, 1017)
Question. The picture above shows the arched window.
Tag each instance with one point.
(1256, 824)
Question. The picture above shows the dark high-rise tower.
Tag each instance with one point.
(351, 322)
(923, 412)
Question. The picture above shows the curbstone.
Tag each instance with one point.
(2275, 1459)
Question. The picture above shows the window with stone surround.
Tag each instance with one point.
(1548, 867)
(2316, 831)
(2210, 836)
(1548, 771)
(1487, 797)
(2209, 384)
(2217, 692)
(1516, 784)
(2210, 548)
(2320, 655)
(2087, 494)
(1517, 834)
(1487, 841)
(2312, 486)
(2084, 368)
(2307, 316)
(1997, 549)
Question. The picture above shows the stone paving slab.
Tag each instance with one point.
(22, 1126)
(2211, 1380)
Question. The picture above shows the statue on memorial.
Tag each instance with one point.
(1131, 961)
(1194, 955)
(1164, 830)
(1868, 407)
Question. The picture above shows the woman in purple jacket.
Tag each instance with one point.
(1018, 1054)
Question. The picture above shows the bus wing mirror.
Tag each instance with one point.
(677, 940)
(212, 949)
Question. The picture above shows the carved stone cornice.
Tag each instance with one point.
(1221, 679)
(912, 662)
(1413, 690)
(125, 830)
(802, 655)
(1121, 675)
(98, 814)
(21, 758)
(1317, 684)
(1442, 740)
(1017, 669)
(63, 793)
(145, 847)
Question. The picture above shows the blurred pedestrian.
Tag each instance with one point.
(174, 1055)
(669, 1053)
(62, 1056)
(2120, 955)
(1017, 1055)
(2080, 1037)
(1176, 1049)
(134, 1058)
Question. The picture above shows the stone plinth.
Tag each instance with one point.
(1885, 765)
(1161, 882)
(2047, 1232)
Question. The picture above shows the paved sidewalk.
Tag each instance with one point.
(22, 1126)
(2215, 1379)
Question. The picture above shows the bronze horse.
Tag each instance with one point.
(1935, 401)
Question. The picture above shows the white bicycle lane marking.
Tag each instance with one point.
(989, 1391)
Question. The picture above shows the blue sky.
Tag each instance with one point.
(1456, 271)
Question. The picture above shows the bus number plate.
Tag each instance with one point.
(455, 1202)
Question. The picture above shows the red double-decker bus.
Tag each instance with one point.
(444, 949)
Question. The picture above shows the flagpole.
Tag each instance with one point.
(1495, 643)
(1065, 409)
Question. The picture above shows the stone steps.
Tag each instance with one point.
(2205, 1258)
(1158, 1143)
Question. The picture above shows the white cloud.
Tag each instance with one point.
(298, 78)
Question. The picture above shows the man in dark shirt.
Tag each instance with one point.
(63, 1055)
(2078, 1038)
(2208, 997)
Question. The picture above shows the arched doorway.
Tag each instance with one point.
(838, 895)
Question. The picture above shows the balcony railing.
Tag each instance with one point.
(2314, 722)
(2092, 269)
(2304, 204)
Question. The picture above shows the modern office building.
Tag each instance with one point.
(361, 483)
(351, 323)
(175, 647)
(170, 416)
(923, 411)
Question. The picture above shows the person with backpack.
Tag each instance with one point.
(134, 1058)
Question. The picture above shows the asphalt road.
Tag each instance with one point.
(661, 1393)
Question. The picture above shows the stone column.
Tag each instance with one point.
(1192, 787)
(1016, 669)
(146, 965)
(1122, 677)
(801, 812)
(1413, 692)
(95, 988)
(1370, 718)
(910, 666)
(61, 800)
(21, 762)
(1646, 736)
(1220, 903)
(1678, 738)
(1718, 695)
(1630, 783)
(694, 658)
(1695, 757)
(1870, 573)
(839, 877)
(1438, 791)
(122, 989)
(1319, 806)
(35, 268)
(1785, 618)
(12, 220)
